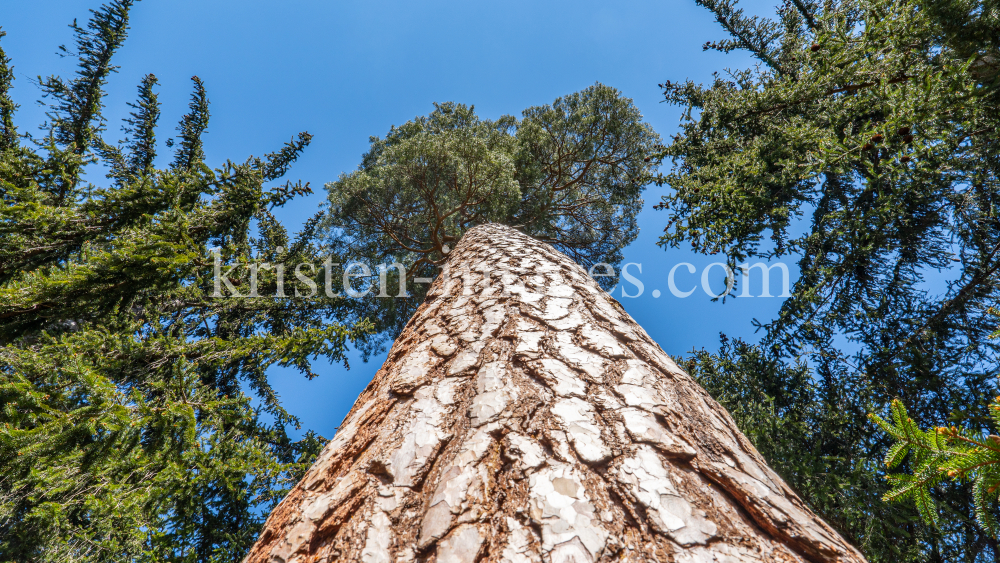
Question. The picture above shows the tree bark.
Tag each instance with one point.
(523, 416)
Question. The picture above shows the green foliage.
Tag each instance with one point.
(8, 133)
(430, 179)
(570, 174)
(864, 145)
(136, 418)
(943, 453)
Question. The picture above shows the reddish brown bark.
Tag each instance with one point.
(523, 416)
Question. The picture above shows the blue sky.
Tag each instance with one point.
(346, 70)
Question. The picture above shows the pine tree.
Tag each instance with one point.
(570, 174)
(136, 418)
(523, 416)
(865, 145)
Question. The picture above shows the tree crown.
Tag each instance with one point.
(570, 173)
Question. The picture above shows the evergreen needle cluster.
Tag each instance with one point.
(941, 454)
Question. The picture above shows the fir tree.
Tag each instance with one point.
(865, 145)
(136, 418)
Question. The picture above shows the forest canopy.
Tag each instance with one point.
(864, 144)
(138, 420)
(137, 417)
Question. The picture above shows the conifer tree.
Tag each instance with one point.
(864, 144)
(570, 174)
(136, 418)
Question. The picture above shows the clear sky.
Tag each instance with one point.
(346, 70)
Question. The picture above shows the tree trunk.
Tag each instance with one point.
(523, 416)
